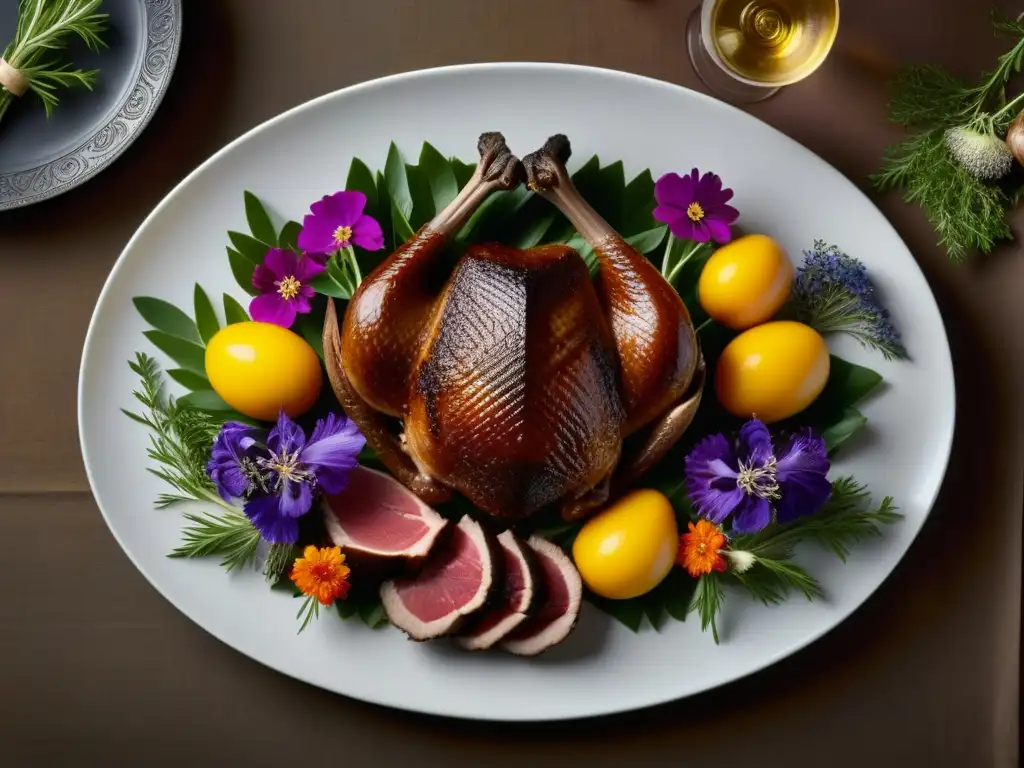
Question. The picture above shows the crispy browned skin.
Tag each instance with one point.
(514, 400)
(654, 336)
(515, 378)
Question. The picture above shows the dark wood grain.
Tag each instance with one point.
(97, 669)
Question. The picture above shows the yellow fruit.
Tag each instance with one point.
(772, 371)
(260, 368)
(627, 549)
(745, 282)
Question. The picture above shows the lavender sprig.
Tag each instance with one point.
(833, 294)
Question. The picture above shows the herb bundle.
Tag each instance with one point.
(957, 166)
(33, 60)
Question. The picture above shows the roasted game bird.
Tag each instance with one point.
(511, 376)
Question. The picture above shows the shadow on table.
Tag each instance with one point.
(183, 133)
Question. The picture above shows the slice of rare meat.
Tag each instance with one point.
(377, 515)
(516, 598)
(456, 581)
(556, 616)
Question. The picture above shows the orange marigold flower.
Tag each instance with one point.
(700, 550)
(322, 573)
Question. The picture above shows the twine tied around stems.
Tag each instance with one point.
(12, 79)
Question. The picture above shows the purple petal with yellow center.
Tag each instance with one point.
(271, 308)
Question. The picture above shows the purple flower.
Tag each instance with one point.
(832, 293)
(337, 221)
(694, 206)
(755, 483)
(283, 282)
(293, 468)
(231, 461)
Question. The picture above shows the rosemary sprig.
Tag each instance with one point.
(44, 27)
(280, 558)
(846, 519)
(309, 610)
(180, 438)
(230, 535)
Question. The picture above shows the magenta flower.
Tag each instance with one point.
(756, 483)
(337, 221)
(283, 282)
(694, 207)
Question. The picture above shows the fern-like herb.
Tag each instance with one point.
(707, 601)
(280, 558)
(309, 610)
(229, 535)
(44, 29)
(846, 519)
(180, 443)
(180, 439)
(967, 212)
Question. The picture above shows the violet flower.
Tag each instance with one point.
(832, 293)
(283, 282)
(694, 207)
(294, 468)
(231, 460)
(755, 483)
(336, 222)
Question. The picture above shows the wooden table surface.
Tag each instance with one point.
(97, 669)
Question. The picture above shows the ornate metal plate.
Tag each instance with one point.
(42, 158)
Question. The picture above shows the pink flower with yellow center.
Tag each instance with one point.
(283, 282)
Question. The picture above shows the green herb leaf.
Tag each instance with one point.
(533, 233)
(189, 379)
(645, 242)
(360, 179)
(463, 171)
(439, 175)
(789, 576)
(206, 318)
(397, 181)
(288, 238)
(346, 608)
(233, 311)
(422, 197)
(707, 601)
(242, 269)
(252, 249)
(166, 317)
(311, 328)
(229, 535)
(848, 382)
(676, 593)
(638, 204)
(187, 354)
(851, 421)
(372, 612)
(384, 215)
(204, 400)
(629, 613)
(326, 284)
(259, 220)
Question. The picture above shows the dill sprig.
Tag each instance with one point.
(44, 28)
(229, 535)
(967, 211)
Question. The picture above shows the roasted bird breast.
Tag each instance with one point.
(514, 378)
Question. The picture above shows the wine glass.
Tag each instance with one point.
(745, 50)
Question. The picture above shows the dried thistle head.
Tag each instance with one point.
(983, 154)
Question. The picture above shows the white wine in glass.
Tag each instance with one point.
(745, 50)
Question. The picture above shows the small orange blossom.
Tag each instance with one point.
(700, 550)
(322, 573)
